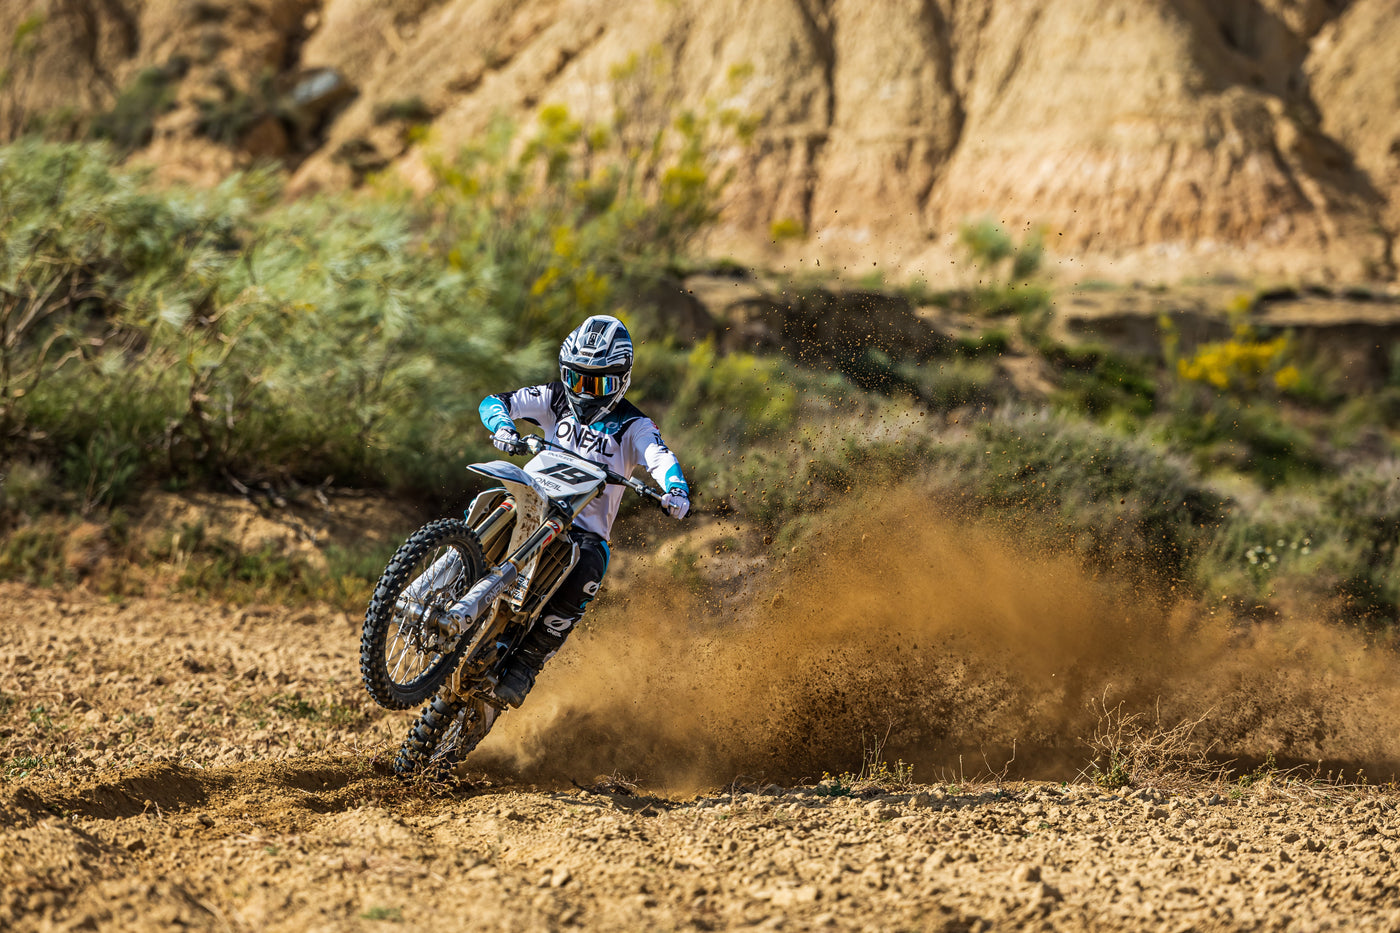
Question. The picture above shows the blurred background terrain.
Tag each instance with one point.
(1115, 282)
(1150, 140)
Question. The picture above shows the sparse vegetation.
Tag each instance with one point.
(16, 113)
(1008, 281)
(222, 339)
(139, 325)
(130, 123)
(24, 766)
(228, 116)
(786, 229)
(876, 775)
(1133, 749)
(409, 109)
(389, 914)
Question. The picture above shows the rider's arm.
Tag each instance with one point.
(495, 412)
(531, 403)
(661, 463)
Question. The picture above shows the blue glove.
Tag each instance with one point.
(676, 502)
(507, 439)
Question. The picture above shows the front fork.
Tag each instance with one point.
(467, 611)
(478, 670)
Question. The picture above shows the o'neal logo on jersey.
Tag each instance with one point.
(585, 440)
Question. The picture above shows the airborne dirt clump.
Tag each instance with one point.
(219, 767)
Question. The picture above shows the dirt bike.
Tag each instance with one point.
(460, 595)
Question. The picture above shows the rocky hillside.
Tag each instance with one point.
(1149, 139)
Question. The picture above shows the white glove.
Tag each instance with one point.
(506, 438)
(676, 502)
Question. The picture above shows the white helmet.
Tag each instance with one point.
(595, 365)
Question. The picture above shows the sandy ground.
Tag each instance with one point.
(326, 844)
(166, 763)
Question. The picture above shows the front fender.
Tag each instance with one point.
(503, 471)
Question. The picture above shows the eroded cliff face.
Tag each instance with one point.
(1149, 139)
(1354, 75)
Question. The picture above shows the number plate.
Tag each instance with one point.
(562, 475)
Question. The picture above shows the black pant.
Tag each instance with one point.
(567, 604)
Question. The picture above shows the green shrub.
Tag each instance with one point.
(1281, 548)
(991, 342)
(1366, 502)
(732, 399)
(1008, 282)
(721, 411)
(233, 111)
(188, 337)
(945, 384)
(409, 109)
(130, 123)
(1333, 545)
(1124, 502)
(785, 485)
(1248, 437)
(1099, 383)
(786, 229)
(27, 487)
(35, 554)
(91, 260)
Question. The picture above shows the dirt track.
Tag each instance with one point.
(167, 763)
(325, 844)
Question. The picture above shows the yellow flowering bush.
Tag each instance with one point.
(1245, 362)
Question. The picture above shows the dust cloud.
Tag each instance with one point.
(941, 643)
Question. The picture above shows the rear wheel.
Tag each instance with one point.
(407, 648)
(446, 732)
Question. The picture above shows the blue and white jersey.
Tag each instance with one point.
(624, 440)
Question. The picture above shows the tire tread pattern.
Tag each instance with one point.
(415, 757)
(379, 617)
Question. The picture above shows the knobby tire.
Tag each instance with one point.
(433, 746)
(381, 622)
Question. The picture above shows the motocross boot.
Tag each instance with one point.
(539, 646)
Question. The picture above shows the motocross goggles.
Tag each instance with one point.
(588, 384)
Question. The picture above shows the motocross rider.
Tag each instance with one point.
(584, 412)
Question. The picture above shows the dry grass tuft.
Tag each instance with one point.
(1135, 750)
(1132, 749)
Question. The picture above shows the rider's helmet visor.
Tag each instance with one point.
(588, 384)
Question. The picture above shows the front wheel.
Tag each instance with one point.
(444, 734)
(407, 648)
